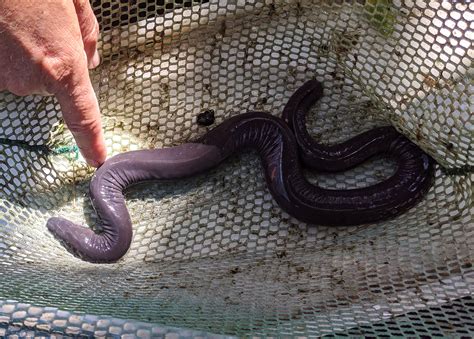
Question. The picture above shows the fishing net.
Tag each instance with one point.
(215, 253)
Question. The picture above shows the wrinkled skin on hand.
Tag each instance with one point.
(46, 47)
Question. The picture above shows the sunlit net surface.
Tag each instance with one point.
(214, 253)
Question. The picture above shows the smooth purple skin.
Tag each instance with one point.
(106, 195)
(278, 149)
(331, 158)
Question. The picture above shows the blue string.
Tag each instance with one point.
(71, 152)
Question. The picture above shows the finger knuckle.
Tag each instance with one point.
(82, 120)
(57, 70)
(84, 125)
(96, 30)
(91, 31)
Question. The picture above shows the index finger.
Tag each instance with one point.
(81, 114)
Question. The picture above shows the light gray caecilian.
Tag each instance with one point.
(283, 145)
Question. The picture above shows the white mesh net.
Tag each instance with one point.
(215, 253)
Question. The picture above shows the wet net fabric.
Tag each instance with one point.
(215, 253)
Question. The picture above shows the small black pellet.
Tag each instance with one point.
(206, 118)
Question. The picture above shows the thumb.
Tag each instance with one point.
(89, 31)
(81, 114)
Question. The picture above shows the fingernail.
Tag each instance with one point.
(95, 60)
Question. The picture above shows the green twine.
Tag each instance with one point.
(70, 152)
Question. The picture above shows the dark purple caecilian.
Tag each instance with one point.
(282, 152)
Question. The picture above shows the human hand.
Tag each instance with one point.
(46, 47)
